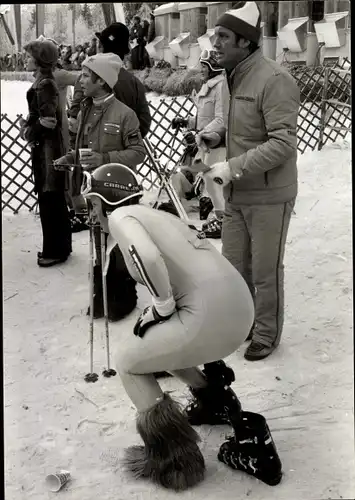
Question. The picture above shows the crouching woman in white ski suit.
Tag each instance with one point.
(201, 311)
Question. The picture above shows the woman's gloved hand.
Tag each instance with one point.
(148, 318)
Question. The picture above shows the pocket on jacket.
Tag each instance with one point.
(111, 137)
(247, 119)
(206, 111)
(112, 128)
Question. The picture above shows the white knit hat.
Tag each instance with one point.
(106, 66)
(245, 21)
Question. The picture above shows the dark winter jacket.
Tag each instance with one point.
(128, 90)
(114, 132)
(46, 143)
(151, 31)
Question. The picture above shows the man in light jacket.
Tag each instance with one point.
(260, 174)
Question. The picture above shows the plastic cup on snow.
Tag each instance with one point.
(56, 481)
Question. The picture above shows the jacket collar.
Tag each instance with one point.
(244, 66)
(210, 84)
(88, 101)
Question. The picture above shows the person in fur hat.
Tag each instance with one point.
(201, 311)
(43, 131)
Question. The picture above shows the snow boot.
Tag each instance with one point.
(215, 404)
(206, 206)
(170, 456)
(252, 450)
(213, 228)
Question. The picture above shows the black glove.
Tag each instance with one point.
(148, 318)
(178, 122)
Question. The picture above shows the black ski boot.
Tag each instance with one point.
(206, 206)
(215, 404)
(252, 449)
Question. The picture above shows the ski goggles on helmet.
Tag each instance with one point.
(209, 57)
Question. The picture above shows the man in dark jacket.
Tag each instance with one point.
(128, 88)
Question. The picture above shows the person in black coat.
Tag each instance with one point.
(151, 30)
(128, 89)
(42, 131)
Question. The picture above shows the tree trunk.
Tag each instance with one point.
(40, 19)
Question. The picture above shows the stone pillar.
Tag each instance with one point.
(167, 27)
(193, 19)
(215, 10)
(270, 15)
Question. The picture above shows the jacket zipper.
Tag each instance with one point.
(227, 136)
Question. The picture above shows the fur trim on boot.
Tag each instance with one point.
(216, 404)
(253, 450)
(171, 456)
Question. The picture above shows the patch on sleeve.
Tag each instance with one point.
(134, 139)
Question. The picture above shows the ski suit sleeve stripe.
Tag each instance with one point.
(138, 263)
(129, 232)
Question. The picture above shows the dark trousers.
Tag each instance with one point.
(56, 231)
(121, 287)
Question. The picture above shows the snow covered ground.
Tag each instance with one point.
(54, 420)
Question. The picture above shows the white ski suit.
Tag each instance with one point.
(214, 308)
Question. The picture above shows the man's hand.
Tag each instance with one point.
(59, 162)
(148, 318)
(220, 173)
(208, 140)
(90, 160)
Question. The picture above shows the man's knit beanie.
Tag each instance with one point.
(244, 21)
(115, 39)
(106, 66)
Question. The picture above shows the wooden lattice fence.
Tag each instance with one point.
(16, 177)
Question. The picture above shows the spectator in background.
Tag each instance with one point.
(128, 88)
(42, 130)
(260, 174)
(144, 56)
(136, 37)
(92, 50)
(74, 58)
(151, 30)
(111, 130)
(67, 58)
(82, 55)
